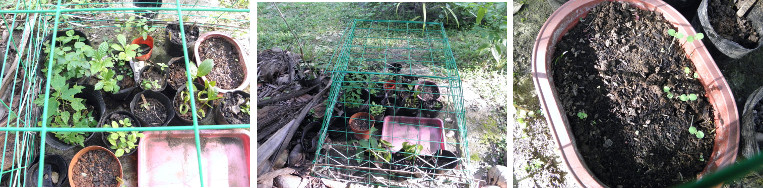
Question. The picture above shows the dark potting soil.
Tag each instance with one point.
(723, 18)
(116, 117)
(428, 93)
(127, 80)
(154, 115)
(610, 71)
(143, 49)
(176, 77)
(190, 34)
(360, 124)
(231, 110)
(152, 75)
(96, 168)
(227, 71)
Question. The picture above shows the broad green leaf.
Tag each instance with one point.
(692, 97)
(481, 14)
(113, 143)
(114, 125)
(58, 83)
(699, 36)
(77, 104)
(65, 117)
(99, 85)
(117, 47)
(205, 67)
(114, 136)
(122, 39)
(79, 44)
(70, 33)
(119, 152)
(68, 94)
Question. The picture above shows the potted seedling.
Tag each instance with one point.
(70, 107)
(121, 142)
(54, 172)
(361, 124)
(123, 53)
(154, 77)
(176, 77)
(234, 108)
(431, 108)
(377, 111)
(586, 51)
(204, 97)
(410, 106)
(353, 96)
(152, 109)
(95, 166)
(231, 72)
(408, 159)
(175, 46)
(373, 150)
(145, 42)
(427, 91)
(71, 53)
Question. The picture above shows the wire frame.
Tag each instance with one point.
(398, 79)
(25, 124)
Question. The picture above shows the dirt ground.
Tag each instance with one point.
(537, 160)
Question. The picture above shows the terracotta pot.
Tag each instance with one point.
(718, 92)
(150, 42)
(79, 154)
(242, 59)
(361, 116)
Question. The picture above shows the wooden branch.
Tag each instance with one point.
(387, 170)
(22, 46)
(274, 143)
(301, 116)
(263, 103)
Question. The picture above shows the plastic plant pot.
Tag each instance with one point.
(53, 163)
(148, 41)
(718, 91)
(208, 119)
(220, 118)
(174, 47)
(78, 156)
(445, 160)
(155, 69)
(427, 96)
(361, 133)
(425, 131)
(104, 135)
(720, 44)
(169, 159)
(242, 59)
(158, 96)
(389, 85)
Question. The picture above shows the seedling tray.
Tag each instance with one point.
(168, 158)
(414, 130)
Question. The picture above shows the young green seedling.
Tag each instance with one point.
(666, 89)
(582, 115)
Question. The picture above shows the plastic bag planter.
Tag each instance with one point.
(718, 91)
(379, 69)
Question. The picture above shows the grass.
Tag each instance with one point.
(320, 25)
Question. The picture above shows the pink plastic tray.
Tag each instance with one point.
(425, 131)
(168, 159)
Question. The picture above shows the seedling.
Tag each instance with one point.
(162, 66)
(677, 35)
(582, 115)
(378, 148)
(689, 97)
(145, 103)
(205, 96)
(693, 130)
(144, 29)
(411, 150)
(376, 110)
(701, 158)
(245, 108)
(666, 89)
(122, 142)
(150, 85)
(102, 67)
(67, 111)
(126, 51)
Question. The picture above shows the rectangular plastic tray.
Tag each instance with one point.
(168, 159)
(414, 130)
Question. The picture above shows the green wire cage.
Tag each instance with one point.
(31, 25)
(395, 114)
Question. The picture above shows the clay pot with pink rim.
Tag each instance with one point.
(718, 92)
(212, 45)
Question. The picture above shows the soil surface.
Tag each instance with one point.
(611, 70)
(143, 49)
(231, 110)
(177, 77)
(191, 34)
(227, 72)
(723, 18)
(154, 115)
(428, 93)
(153, 74)
(96, 168)
(126, 72)
(360, 124)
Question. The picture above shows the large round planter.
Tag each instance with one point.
(104, 135)
(361, 116)
(718, 91)
(725, 46)
(242, 59)
(79, 154)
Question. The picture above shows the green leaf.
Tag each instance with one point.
(671, 32)
(99, 85)
(58, 83)
(679, 35)
(696, 75)
(70, 33)
(122, 39)
(683, 97)
(114, 125)
(700, 134)
(692, 97)
(113, 136)
(693, 130)
(77, 105)
(65, 117)
(699, 36)
(79, 44)
(687, 70)
(205, 67)
(113, 143)
(666, 89)
(670, 95)
(690, 39)
(117, 47)
(119, 152)
(68, 94)
(481, 14)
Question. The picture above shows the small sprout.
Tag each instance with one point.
(700, 134)
(679, 35)
(683, 97)
(671, 32)
(701, 158)
(693, 130)
(582, 115)
(687, 70)
(670, 95)
(699, 36)
(696, 75)
(690, 39)
(666, 89)
(692, 97)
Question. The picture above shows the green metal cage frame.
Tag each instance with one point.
(368, 48)
(28, 120)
